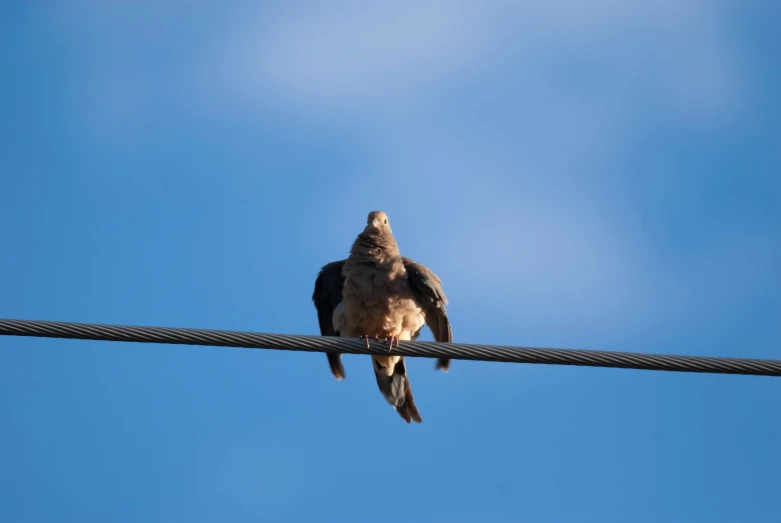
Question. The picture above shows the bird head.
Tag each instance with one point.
(377, 221)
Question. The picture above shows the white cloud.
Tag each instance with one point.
(491, 114)
(364, 53)
(373, 58)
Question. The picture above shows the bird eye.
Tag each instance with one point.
(386, 220)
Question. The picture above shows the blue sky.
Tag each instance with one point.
(580, 174)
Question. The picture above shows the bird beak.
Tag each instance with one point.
(376, 224)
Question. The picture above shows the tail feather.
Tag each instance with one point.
(335, 362)
(396, 389)
(443, 363)
(409, 411)
(391, 386)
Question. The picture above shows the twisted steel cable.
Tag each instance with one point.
(425, 349)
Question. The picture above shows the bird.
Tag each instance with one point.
(378, 293)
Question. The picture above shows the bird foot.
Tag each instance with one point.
(390, 346)
(365, 338)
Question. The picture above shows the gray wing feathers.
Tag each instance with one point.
(428, 288)
(326, 297)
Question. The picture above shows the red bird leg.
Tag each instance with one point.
(365, 338)
(390, 346)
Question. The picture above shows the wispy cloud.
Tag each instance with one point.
(495, 115)
(507, 109)
(371, 58)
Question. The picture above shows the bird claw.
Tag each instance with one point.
(365, 338)
(390, 346)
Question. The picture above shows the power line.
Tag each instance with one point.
(425, 349)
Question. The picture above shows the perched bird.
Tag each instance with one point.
(377, 293)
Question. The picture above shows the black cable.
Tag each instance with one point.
(426, 349)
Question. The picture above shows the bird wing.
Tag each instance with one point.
(429, 294)
(326, 297)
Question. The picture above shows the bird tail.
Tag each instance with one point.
(394, 385)
(335, 362)
(443, 363)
